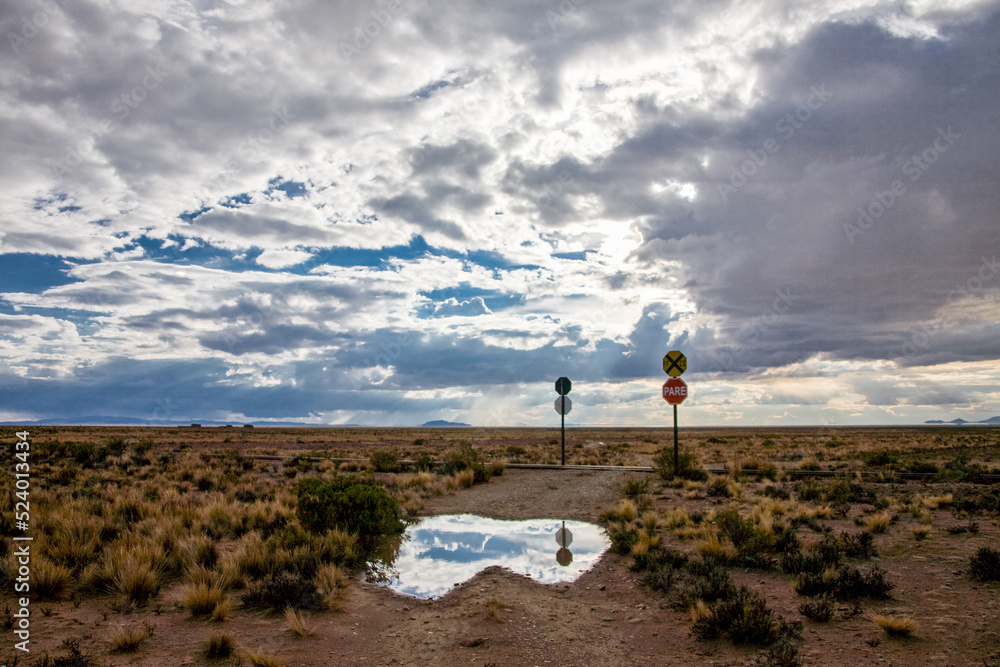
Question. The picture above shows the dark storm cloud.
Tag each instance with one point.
(873, 109)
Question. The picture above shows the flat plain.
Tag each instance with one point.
(190, 545)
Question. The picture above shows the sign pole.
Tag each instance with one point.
(676, 449)
(563, 405)
(674, 392)
(563, 420)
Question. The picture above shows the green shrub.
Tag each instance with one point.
(743, 618)
(220, 646)
(424, 463)
(622, 537)
(921, 467)
(719, 488)
(466, 458)
(849, 583)
(281, 590)
(751, 542)
(819, 610)
(633, 486)
(359, 506)
(384, 461)
(985, 565)
(700, 580)
(810, 491)
(879, 457)
(977, 500)
(516, 453)
(687, 466)
(759, 471)
(860, 546)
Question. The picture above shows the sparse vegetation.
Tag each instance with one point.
(220, 646)
(895, 626)
(494, 608)
(819, 610)
(142, 526)
(299, 624)
(985, 565)
(127, 639)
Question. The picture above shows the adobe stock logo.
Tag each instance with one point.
(786, 127)
(915, 167)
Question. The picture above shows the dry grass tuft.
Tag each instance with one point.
(465, 478)
(220, 611)
(202, 599)
(127, 640)
(493, 607)
(257, 658)
(699, 611)
(50, 581)
(878, 523)
(711, 547)
(895, 626)
(220, 646)
(921, 532)
(298, 623)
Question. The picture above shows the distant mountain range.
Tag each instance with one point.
(960, 421)
(134, 421)
(101, 420)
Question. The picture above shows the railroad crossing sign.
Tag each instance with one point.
(675, 363)
(563, 405)
(563, 386)
(675, 390)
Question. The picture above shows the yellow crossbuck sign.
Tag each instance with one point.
(675, 363)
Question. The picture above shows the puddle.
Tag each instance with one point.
(440, 551)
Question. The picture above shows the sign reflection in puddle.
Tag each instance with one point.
(440, 551)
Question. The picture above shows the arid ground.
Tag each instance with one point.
(190, 507)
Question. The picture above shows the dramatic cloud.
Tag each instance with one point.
(402, 210)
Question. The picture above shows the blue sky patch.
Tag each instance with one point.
(33, 274)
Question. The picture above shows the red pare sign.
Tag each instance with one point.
(675, 390)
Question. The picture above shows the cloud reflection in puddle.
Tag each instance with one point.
(441, 551)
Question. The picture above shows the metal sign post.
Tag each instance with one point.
(675, 391)
(563, 406)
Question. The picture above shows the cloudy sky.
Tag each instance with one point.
(391, 212)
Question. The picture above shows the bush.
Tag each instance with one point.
(719, 488)
(860, 546)
(384, 461)
(848, 583)
(820, 610)
(633, 487)
(127, 640)
(879, 457)
(921, 467)
(743, 618)
(622, 537)
(985, 565)
(49, 581)
(201, 599)
(424, 463)
(971, 500)
(135, 581)
(751, 542)
(285, 589)
(220, 646)
(687, 467)
(359, 506)
(895, 626)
